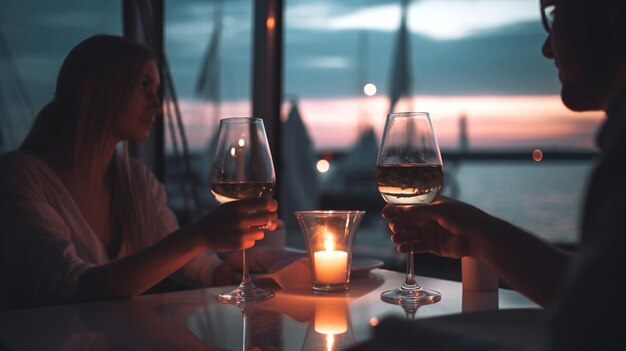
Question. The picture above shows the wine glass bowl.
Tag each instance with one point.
(243, 169)
(409, 172)
(409, 184)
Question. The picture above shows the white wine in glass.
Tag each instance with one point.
(242, 169)
(409, 172)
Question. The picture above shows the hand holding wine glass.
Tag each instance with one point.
(409, 172)
(243, 169)
(235, 225)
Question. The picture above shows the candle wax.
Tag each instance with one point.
(331, 266)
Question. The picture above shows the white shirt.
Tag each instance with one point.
(46, 244)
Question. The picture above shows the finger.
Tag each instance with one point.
(241, 239)
(407, 211)
(392, 224)
(259, 219)
(254, 205)
(440, 198)
(405, 237)
(272, 205)
(388, 211)
(247, 244)
(398, 226)
(414, 246)
(273, 224)
(253, 235)
(411, 224)
(441, 242)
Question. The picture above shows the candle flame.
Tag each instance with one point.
(329, 243)
(330, 342)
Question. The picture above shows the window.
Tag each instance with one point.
(209, 49)
(477, 67)
(36, 37)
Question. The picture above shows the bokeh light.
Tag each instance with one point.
(537, 155)
(369, 89)
(323, 166)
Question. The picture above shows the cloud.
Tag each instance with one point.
(493, 121)
(192, 22)
(331, 62)
(437, 19)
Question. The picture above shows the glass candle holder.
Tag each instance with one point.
(329, 236)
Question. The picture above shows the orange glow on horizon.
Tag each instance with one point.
(492, 121)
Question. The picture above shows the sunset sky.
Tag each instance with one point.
(480, 58)
(521, 121)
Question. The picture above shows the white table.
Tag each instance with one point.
(195, 320)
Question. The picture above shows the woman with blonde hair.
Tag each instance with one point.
(81, 221)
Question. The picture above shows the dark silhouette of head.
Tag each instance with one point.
(92, 90)
(587, 41)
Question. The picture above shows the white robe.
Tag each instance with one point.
(46, 244)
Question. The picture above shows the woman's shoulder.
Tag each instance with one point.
(19, 163)
(14, 157)
(23, 173)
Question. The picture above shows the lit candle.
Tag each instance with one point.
(331, 266)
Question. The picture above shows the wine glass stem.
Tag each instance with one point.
(245, 320)
(410, 283)
(245, 279)
(410, 314)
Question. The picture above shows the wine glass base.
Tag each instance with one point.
(245, 294)
(412, 297)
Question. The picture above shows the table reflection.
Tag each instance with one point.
(295, 319)
(285, 321)
(331, 327)
(101, 326)
(261, 329)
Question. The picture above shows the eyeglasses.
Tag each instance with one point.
(547, 14)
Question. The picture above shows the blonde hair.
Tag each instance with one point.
(92, 91)
(134, 218)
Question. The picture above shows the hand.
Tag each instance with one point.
(445, 227)
(234, 225)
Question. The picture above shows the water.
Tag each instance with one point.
(544, 198)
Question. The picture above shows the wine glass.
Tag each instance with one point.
(242, 169)
(409, 171)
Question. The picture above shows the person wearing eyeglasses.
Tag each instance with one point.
(584, 293)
